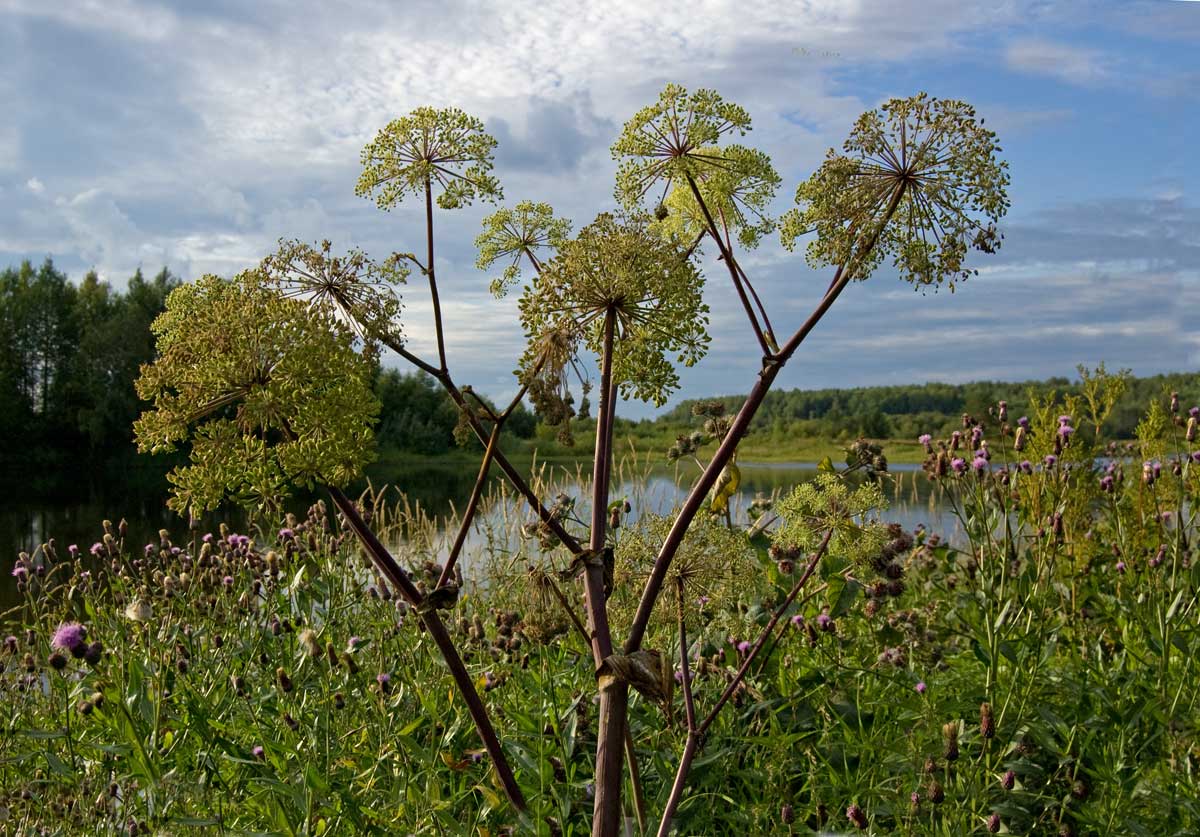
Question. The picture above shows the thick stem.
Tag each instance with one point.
(437, 630)
(606, 814)
(741, 424)
(429, 271)
(472, 505)
(696, 733)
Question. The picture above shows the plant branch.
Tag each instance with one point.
(696, 733)
(740, 425)
(433, 291)
(733, 272)
(472, 505)
(441, 637)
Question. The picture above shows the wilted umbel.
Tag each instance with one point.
(357, 290)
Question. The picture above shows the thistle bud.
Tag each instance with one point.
(1019, 439)
(950, 736)
(987, 722)
(1009, 780)
(993, 824)
(935, 792)
(285, 682)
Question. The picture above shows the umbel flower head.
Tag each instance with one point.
(515, 234)
(618, 264)
(918, 180)
(431, 147)
(737, 186)
(813, 508)
(357, 290)
(674, 138)
(715, 564)
(268, 391)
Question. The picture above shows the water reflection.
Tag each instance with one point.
(437, 488)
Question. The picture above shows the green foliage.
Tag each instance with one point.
(268, 391)
(444, 147)
(517, 233)
(919, 180)
(617, 264)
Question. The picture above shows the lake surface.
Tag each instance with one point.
(438, 489)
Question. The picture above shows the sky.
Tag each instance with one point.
(196, 134)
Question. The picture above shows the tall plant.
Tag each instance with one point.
(284, 393)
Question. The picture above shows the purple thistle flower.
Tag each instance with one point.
(1196, 456)
(797, 620)
(10, 644)
(227, 581)
(383, 678)
(149, 549)
(979, 464)
(208, 538)
(68, 637)
(258, 751)
(20, 572)
(286, 534)
(976, 435)
(958, 465)
(73, 549)
(1194, 412)
(96, 548)
(1050, 460)
(702, 601)
(1023, 421)
(743, 647)
(825, 622)
(920, 687)
(926, 441)
(1106, 484)
(1065, 431)
(1064, 419)
(1026, 466)
(1121, 567)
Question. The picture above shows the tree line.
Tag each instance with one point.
(906, 411)
(69, 354)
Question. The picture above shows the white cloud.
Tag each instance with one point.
(1076, 65)
(34, 185)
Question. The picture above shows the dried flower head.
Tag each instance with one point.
(918, 180)
(716, 566)
(523, 232)
(737, 187)
(355, 289)
(430, 147)
(828, 502)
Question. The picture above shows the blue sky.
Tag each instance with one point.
(196, 134)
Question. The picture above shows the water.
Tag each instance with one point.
(437, 488)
